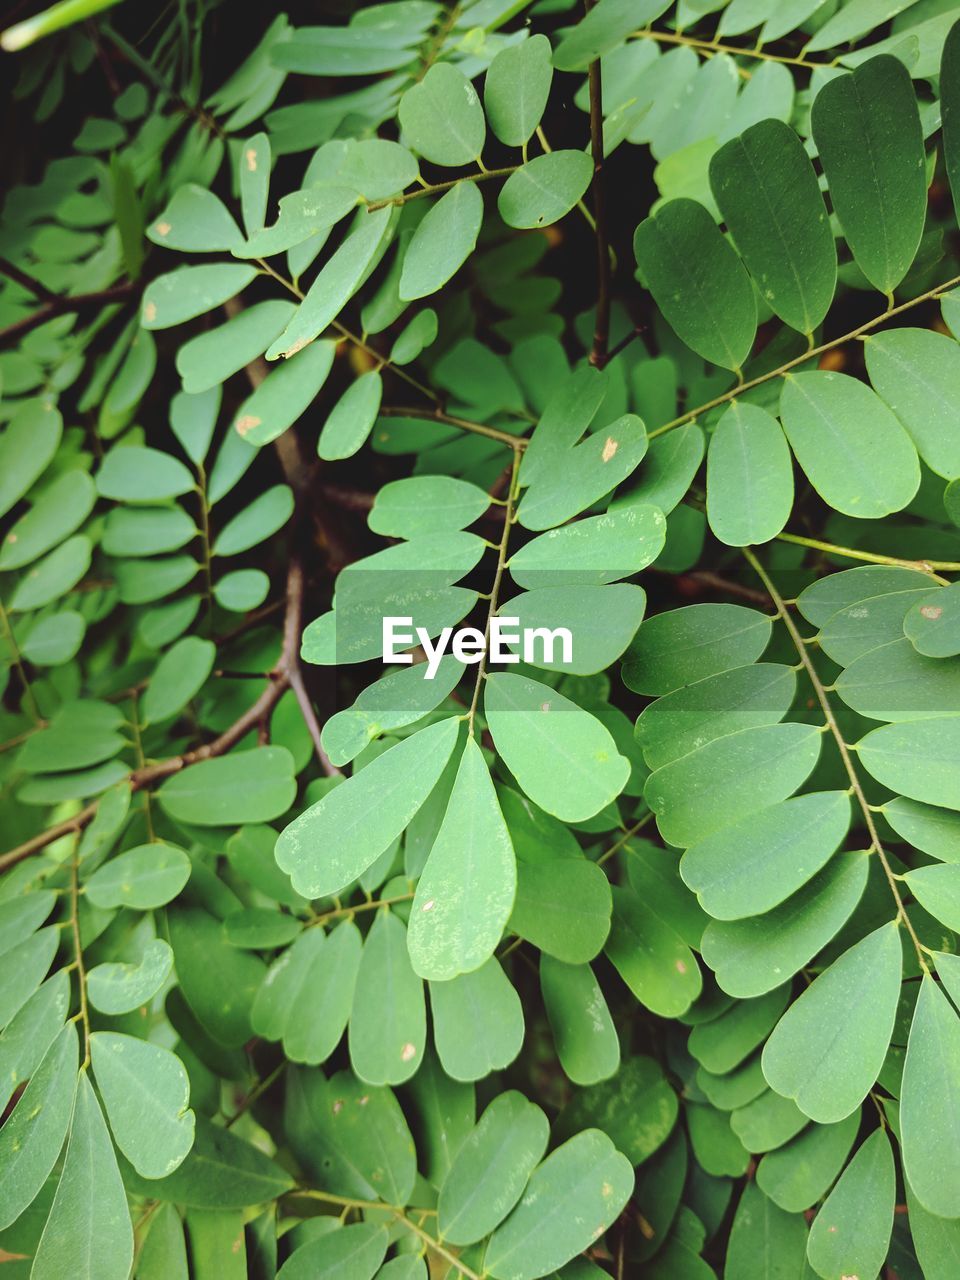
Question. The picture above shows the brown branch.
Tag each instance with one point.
(28, 282)
(601, 330)
(448, 419)
(62, 306)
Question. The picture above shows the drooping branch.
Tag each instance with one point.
(62, 305)
(601, 328)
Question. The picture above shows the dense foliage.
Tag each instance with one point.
(635, 961)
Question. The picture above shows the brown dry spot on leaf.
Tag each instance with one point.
(252, 159)
(150, 312)
(247, 423)
(681, 967)
(297, 346)
(544, 706)
(407, 1052)
(931, 611)
(162, 228)
(610, 447)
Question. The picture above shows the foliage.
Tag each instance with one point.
(640, 960)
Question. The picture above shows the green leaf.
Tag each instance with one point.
(88, 1233)
(301, 216)
(352, 417)
(605, 26)
(144, 878)
(685, 645)
(950, 110)
(563, 907)
(915, 371)
(134, 473)
(753, 955)
(937, 889)
(30, 1033)
(583, 1031)
(769, 197)
(195, 221)
(919, 760)
(749, 477)
(697, 713)
(190, 291)
(856, 19)
(146, 1095)
(335, 284)
(164, 1253)
(218, 981)
(53, 576)
(466, 890)
(491, 1169)
(827, 1050)
(545, 189)
(211, 358)
(221, 1172)
(59, 511)
(388, 1025)
(851, 1233)
(564, 758)
(264, 517)
(516, 89)
(936, 1240)
(335, 840)
(722, 1043)
(765, 1242)
(180, 675)
(752, 770)
(442, 242)
(32, 1137)
(253, 167)
(355, 1251)
(932, 625)
(426, 504)
(441, 117)
(570, 1201)
(369, 1124)
(602, 620)
(307, 994)
(698, 282)
(598, 549)
(867, 129)
(929, 1103)
(284, 395)
(935, 831)
(754, 864)
(477, 1022)
(120, 988)
(797, 1175)
(27, 444)
(147, 531)
(718, 1150)
(854, 451)
(571, 408)
(573, 482)
(637, 1108)
(54, 639)
(244, 786)
(651, 958)
(79, 734)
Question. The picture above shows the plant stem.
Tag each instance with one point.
(716, 46)
(738, 390)
(78, 952)
(483, 176)
(517, 443)
(872, 557)
(495, 589)
(831, 722)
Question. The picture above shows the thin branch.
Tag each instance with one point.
(28, 282)
(63, 305)
(78, 953)
(812, 354)
(716, 46)
(601, 329)
(871, 557)
(435, 188)
(449, 419)
(831, 722)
